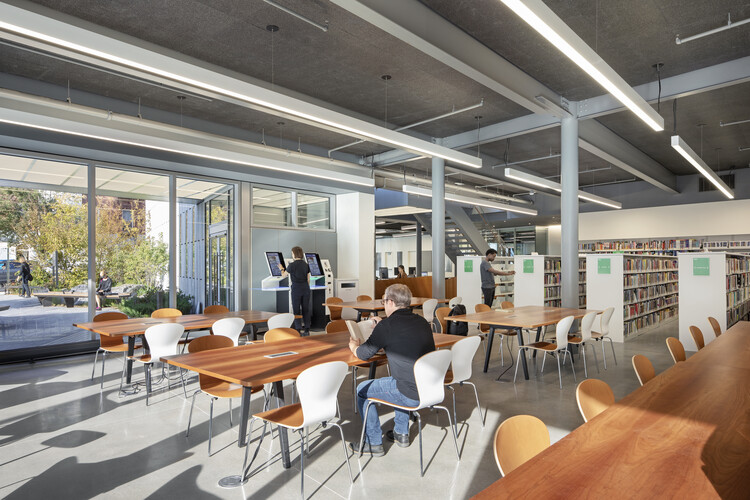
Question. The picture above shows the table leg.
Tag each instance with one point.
(244, 415)
(373, 367)
(523, 354)
(286, 462)
(131, 352)
(69, 301)
(359, 315)
(489, 348)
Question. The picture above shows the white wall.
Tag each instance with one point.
(355, 228)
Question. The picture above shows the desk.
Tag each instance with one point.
(519, 318)
(684, 434)
(133, 327)
(247, 366)
(373, 306)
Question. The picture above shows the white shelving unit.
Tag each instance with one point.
(543, 287)
(643, 289)
(469, 283)
(528, 283)
(503, 284)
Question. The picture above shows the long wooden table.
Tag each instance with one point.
(684, 434)
(374, 306)
(247, 366)
(519, 318)
(133, 327)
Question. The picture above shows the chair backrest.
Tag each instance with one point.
(277, 334)
(676, 349)
(605, 319)
(440, 314)
(318, 389)
(428, 309)
(479, 308)
(163, 338)
(334, 312)
(166, 312)
(106, 340)
(593, 397)
(506, 304)
(715, 326)
(362, 298)
(587, 322)
(644, 370)
(462, 354)
(519, 439)
(283, 320)
(206, 343)
(337, 325)
(215, 309)
(561, 331)
(429, 374)
(697, 337)
(455, 300)
(229, 327)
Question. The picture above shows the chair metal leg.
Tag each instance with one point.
(476, 395)
(182, 378)
(93, 368)
(230, 412)
(612, 345)
(190, 417)
(246, 466)
(544, 360)
(419, 429)
(147, 368)
(453, 392)
(559, 372)
(101, 379)
(346, 453)
(455, 439)
(502, 354)
(368, 403)
(354, 387)
(210, 424)
(572, 366)
(596, 360)
(518, 361)
(122, 375)
(585, 370)
(302, 463)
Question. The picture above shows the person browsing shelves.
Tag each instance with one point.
(299, 282)
(487, 273)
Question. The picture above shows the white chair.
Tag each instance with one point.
(586, 323)
(162, 340)
(462, 355)
(429, 373)
(229, 327)
(563, 326)
(318, 388)
(604, 334)
(454, 301)
(284, 320)
(428, 311)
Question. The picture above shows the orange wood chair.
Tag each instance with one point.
(715, 326)
(644, 370)
(166, 312)
(517, 440)
(593, 397)
(215, 309)
(335, 312)
(485, 330)
(697, 337)
(109, 345)
(337, 325)
(440, 314)
(277, 334)
(363, 298)
(676, 349)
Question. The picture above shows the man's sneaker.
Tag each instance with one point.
(400, 439)
(375, 450)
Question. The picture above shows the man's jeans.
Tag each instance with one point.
(385, 389)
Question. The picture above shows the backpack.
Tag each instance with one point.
(457, 327)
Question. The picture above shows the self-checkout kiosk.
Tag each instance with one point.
(276, 280)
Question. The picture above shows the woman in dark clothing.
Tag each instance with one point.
(299, 281)
(25, 276)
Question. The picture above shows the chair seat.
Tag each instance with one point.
(118, 348)
(597, 335)
(448, 380)
(144, 358)
(540, 346)
(394, 405)
(366, 364)
(221, 389)
(575, 340)
(289, 416)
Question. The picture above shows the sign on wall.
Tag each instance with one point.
(528, 266)
(604, 266)
(701, 266)
(468, 266)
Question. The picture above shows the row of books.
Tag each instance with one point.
(551, 293)
(737, 297)
(736, 314)
(676, 244)
(647, 293)
(552, 265)
(633, 280)
(642, 322)
(551, 279)
(553, 303)
(630, 311)
(735, 281)
(648, 264)
(717, 245)
(737, 264)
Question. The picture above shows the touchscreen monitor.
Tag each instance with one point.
(274, 259)
(313, 261)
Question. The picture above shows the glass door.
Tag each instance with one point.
(218, 289)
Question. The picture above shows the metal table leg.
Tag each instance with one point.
(131, 352)
(278, 388)
(490, 337)
(523, 354)
(244, 415)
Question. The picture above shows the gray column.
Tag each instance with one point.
(438, 228)
(91, 207)
(569, 209)
(173, 241)
(419, 249)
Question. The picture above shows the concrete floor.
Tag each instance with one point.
(62, 438)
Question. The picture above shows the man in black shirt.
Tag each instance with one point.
(405, 337)
(299, 278)
(105, 287)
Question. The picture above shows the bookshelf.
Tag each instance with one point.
(469, 283)
(636, 246)
(713, 284)
(552, 268)
(503, 284)
(643, 289)
(541, 287)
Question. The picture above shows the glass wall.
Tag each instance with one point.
(272, 208)
(313, 211)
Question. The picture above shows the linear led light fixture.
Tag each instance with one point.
(686, 151)
(550, 26)
(512, 173)
(407, 188)
(24, 23)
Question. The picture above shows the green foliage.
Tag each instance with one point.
(19, 209)
(144, 303)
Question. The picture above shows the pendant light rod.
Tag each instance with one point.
(727, 26)
(321, 27)
(727, 124)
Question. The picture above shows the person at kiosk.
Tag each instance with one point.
(299, 282)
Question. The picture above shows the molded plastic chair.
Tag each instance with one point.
(162, 341)
(604, 334)
(462, 356)
(215, 309)
(428, 311)
(337, 325)
(485, 330)
(277, 334)
(697, 337)
(318, 388)
(440, 314)
(227, 327)
(715, 326)
(214, 387)
(517, 440)
(676, 349)
(283, 320)
(166, 312)
(561, 331)
(429, 374)
(593, 397)
(455, 300)
(586, 323)
(644, 370)
(109, 345)
(334, 312)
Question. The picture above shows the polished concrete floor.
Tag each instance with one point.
(60, 437)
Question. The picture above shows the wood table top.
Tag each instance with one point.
(247, 365)
(377, 305)
(685, 433)
(137, 326)
(522, 317)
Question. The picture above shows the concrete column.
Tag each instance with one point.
(419, 249)
(569, 209)
(438, 228)
(173, 241)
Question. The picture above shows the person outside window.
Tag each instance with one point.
(24, 276)
(299, 282)
(104, 287)
(487, 273)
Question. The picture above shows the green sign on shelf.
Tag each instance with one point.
(604, 266)
(528, 266)
(468, 266)
(701, 266)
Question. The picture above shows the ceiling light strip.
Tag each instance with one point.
(687, 152)
(520, 176)
(550, 26)
(407, 188)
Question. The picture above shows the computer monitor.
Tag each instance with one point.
(274, 259)
(383, 273)
(313, 262)
(412, 271)
(395, 271)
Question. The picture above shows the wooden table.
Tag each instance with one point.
(373, 306)
(684, 434)
(519, 318)
(132, 327)
(247, 366)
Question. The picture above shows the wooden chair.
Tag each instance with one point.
(697, 337)
(277, 334)
(715, 326)
(440, 314)
(517, 440)
(215, 309)
(334, 312)
(214, 387)
(593, 397)
(485, 330)
(166, 312)
(506, 304)
(676, 349)
(337, 325)
(109, 345)
(644, 370)
(363, 298)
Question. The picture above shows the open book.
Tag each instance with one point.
(360, 331)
